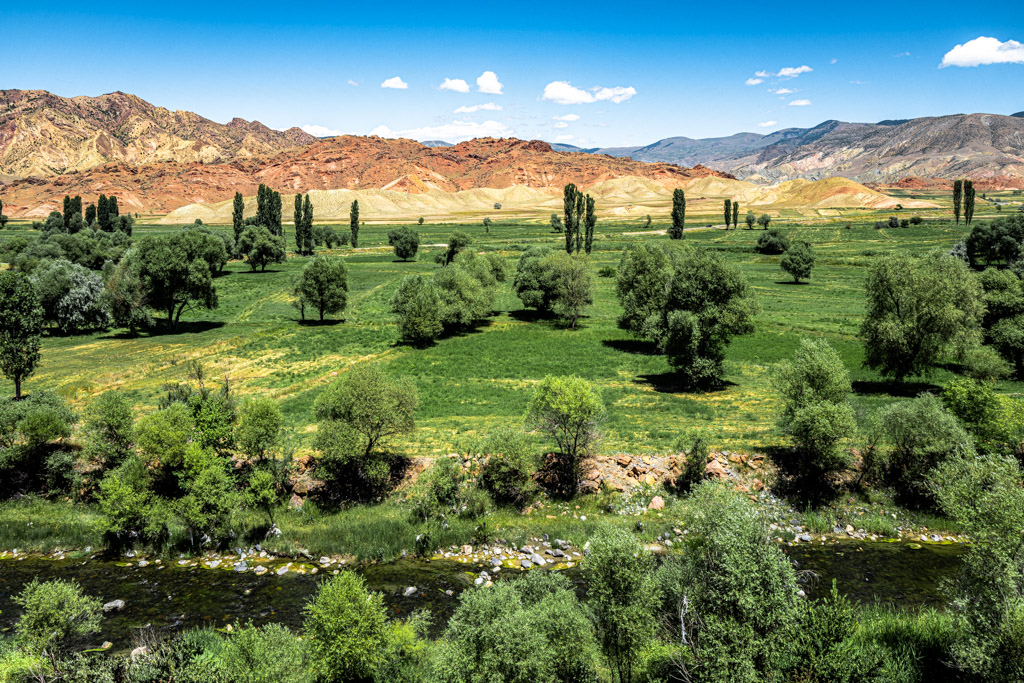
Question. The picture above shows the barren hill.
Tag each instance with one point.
(42, 134)
(346, 162)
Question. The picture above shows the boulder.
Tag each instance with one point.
(295, 502)
(757, 485)
(657, 503)
(538, 560)
(716, 470)
(114, 606)
(410, 591)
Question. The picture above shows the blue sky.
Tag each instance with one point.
(591, 74)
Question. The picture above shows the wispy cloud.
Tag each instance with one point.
(784, 91)
(454, 84)
(488, 83)
(351, 82)
(490, 106)
(567, 117)
(451, 132)
(800, 103)
(768, 124)
(793, 71)
(561, 124)
(984, 50)
(564, 138)
(563, 92)
(319, 131)
(754, 81)
(396, 83)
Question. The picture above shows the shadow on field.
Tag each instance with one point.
(671, 383)
(161, 329)
(641, 347)
(904, 390)
(790, 282)
(529, 315)
(257, 272)
(320, 323)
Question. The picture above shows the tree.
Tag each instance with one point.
(556, 223)
(456, 243)
(371, 403)
(55, 613)
(589, 222)
(764, 221)
(419, 221)
(71, 296)
(307, 225)
(260, 247)
(300, 235)
(90, 215)
(67, 212)
(346, 629)
(353, 222)
(507, 474)
(750, 220)
(798, 260)
(772, 242)
(816, 411)
(574, 287)
(487, 224)
(21, 322)
(958, 196)
(54, 222)
(177, 273)
(569, 409)
(919, 309)
(259, 427)
(678, 228)
(126, 296)
(405, 241)
(968, 202)
(572, 217)
(533, 283)
(728, 212)
(109, 431)
(1003, 322)
(237, 215)
(323, 285)
(735, 214)
(623, 594)
(733, 592)
(418, 307)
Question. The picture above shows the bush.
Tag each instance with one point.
(996, 421)
(71, 297)
(772, 242)
(109, 432)
(405, 241)
(259, 427)
(695, 467)
(916, 220)
(418, 307)
(263, 654)
(508, 472)
(894, 222)
(347, 630)
(606, 271)
(55, 614)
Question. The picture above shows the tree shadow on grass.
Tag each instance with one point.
(672, 383)
(530, 315)
(328, 322)
(897, 389)
(161, 330)
(790, 282)
(642, 347)
(258, 272)
(794, 483)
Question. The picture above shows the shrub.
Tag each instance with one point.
(694, 469)
(418, 307)
(163, 436)
(130, 509)
(569, 409)
(508, 472)
(263, 654)
(71, 297)
(259, 427)
(772, 242)
(606, 271)
(55, 614)
(916, 220)
(894, 222)
(109, 431)
(405, 241)
(996, 421)
(347, 630)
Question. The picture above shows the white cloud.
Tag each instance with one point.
(984, 50)
(319, 131)
(561, 124)
(490, 106)
(903, 54)
(763, 74)
(564, 138)
(455, 131)
(455, 85)
(754, 81)
(488, 83)
(563, 92)
(800, 103)
(767, 124)
(784, 91)
(395, 82)
(834, 60)
(567, 117)
(351, 82)
(793, 71)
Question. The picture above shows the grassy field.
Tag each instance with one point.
(472, 382)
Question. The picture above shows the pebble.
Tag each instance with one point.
(410, 591)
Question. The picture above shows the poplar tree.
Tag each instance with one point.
(353, 222)
(728, 212)
(590, 221)
(112, 209)
(67, 212)
(90, 215)
(103, 213)
(581, 204)
(968, 201)
(307, 224)
(958, 193)
(678, 214)
(300, 233)
(735, 214)
(571, 217)
(237, 215)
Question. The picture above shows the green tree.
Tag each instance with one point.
(728, 212)
(353, 222)
(126, 295)
(405, 241)
(641, 280)
(109, 431)
(574, 287)
(67, 212)
(21, 322)
(418, 307)
(210, 500)
(71, 296)
(532, 283)
(764, 221)
(958, 197)
(623, 594)
(163, 436)
(259, 429)
(456, 243)
(507, 473)
(307, 225)
(677, 230)
(918, 310)
(237, 215)
(54, 614)
(772, 242)
(816, 411)
(261, 247)
(300, 235)
(556, 223)
(569, 409)
(968, 202)
(1003, 322)
(798, 260)
(735, 214)
(263, 654)
(572, 216)
(374, 405)
(347, 630)
(323, 286)
(589, 223)
(177, 272)
(90, 215)
(487, 224)
(750, 220)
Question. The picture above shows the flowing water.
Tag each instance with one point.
(168, 597)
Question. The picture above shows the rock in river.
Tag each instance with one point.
(114, 606)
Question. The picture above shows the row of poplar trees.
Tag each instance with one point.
(268, 214)
(963, 197)
(103, 212)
